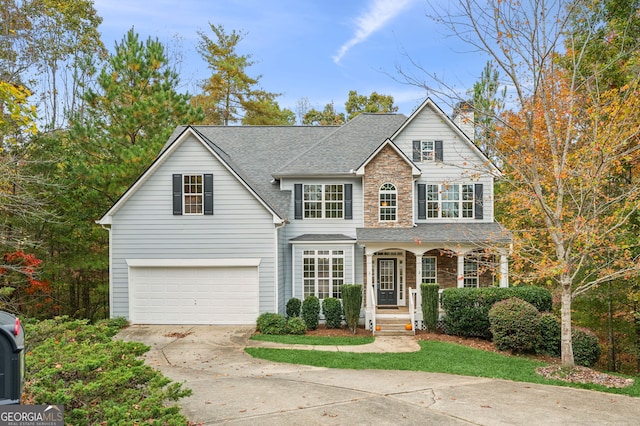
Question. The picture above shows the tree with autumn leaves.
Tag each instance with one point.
(568, 146)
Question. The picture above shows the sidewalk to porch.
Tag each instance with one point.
(381, 344)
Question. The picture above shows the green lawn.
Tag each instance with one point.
(314, 340)
(435, 357)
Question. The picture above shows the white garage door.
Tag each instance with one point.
(193, 295)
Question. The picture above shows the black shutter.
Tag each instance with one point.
(177, 194)
(208, 194)
(348, 201)
(417, 151)
(422, 201)
(478, 205)
(297, 190)
(438, 148)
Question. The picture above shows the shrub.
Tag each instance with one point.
(586, 348)
(270, 323)
(332, 310)
(311, 312)
(467, 309)
(429, 301)
(538, 296)
(352, 303)
(96, 377)
(296, 325)
(515, 325)
(549, 343)
(293, 307)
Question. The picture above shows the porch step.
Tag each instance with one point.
(393, 325)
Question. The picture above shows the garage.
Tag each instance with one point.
(193, 291)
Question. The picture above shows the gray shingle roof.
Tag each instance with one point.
(322, 238)
(258, 153)
(346, 148)
(254, 152)
(478, 233)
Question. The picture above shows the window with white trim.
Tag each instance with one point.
(427, 150)
(323, 201)
(450, 201)
(323, 273)
(429, 270)
(471, 278)
(193, 194)
(388, 203)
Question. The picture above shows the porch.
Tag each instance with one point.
(398, 260)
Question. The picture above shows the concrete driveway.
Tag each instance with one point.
(231, 387)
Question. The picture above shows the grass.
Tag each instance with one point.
(290, 339)
(434, 357)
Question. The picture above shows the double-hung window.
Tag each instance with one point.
(427, 149)
(323, 201)
(470, 273)
(193, 194)
(450, 201)
(429, 270)
(323, 273)
(388, 202)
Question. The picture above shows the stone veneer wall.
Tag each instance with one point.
(388, 167)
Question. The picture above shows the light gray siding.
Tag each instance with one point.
(461, 162)
(145, 228)
(326, 226)
(350, 268)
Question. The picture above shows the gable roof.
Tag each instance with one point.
(428, 103)
(266, 143)
(414, 170)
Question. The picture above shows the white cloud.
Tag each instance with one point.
(380, 12)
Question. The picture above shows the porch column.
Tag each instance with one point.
(368, 290)
(418, 282)
(504, 271)
(460, 269)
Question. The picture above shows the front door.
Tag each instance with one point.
(387, 286)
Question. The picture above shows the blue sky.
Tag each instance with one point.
(318, 49)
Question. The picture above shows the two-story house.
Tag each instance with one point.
(231, 222)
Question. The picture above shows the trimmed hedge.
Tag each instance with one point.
(467, 309)
(352, 302)
(270, 323)
(515, 325)
(293, 307)
(332, 310)
(311, 312)
(429, 294)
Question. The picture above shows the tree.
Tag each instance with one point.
(264, 110)
(128, 118)
(375, 102)
(63, 35)
(487, 103)
(230, 94)
(562, 148)
(327, 117)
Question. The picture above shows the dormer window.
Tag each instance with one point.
(388, 203)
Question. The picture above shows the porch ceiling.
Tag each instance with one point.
(447, 234)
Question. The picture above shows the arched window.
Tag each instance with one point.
(388, 204)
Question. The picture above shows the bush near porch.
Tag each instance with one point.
(467, 309)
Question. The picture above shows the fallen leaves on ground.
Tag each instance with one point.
(580, 374)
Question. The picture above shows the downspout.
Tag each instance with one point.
(276, 264)
(108, 228)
